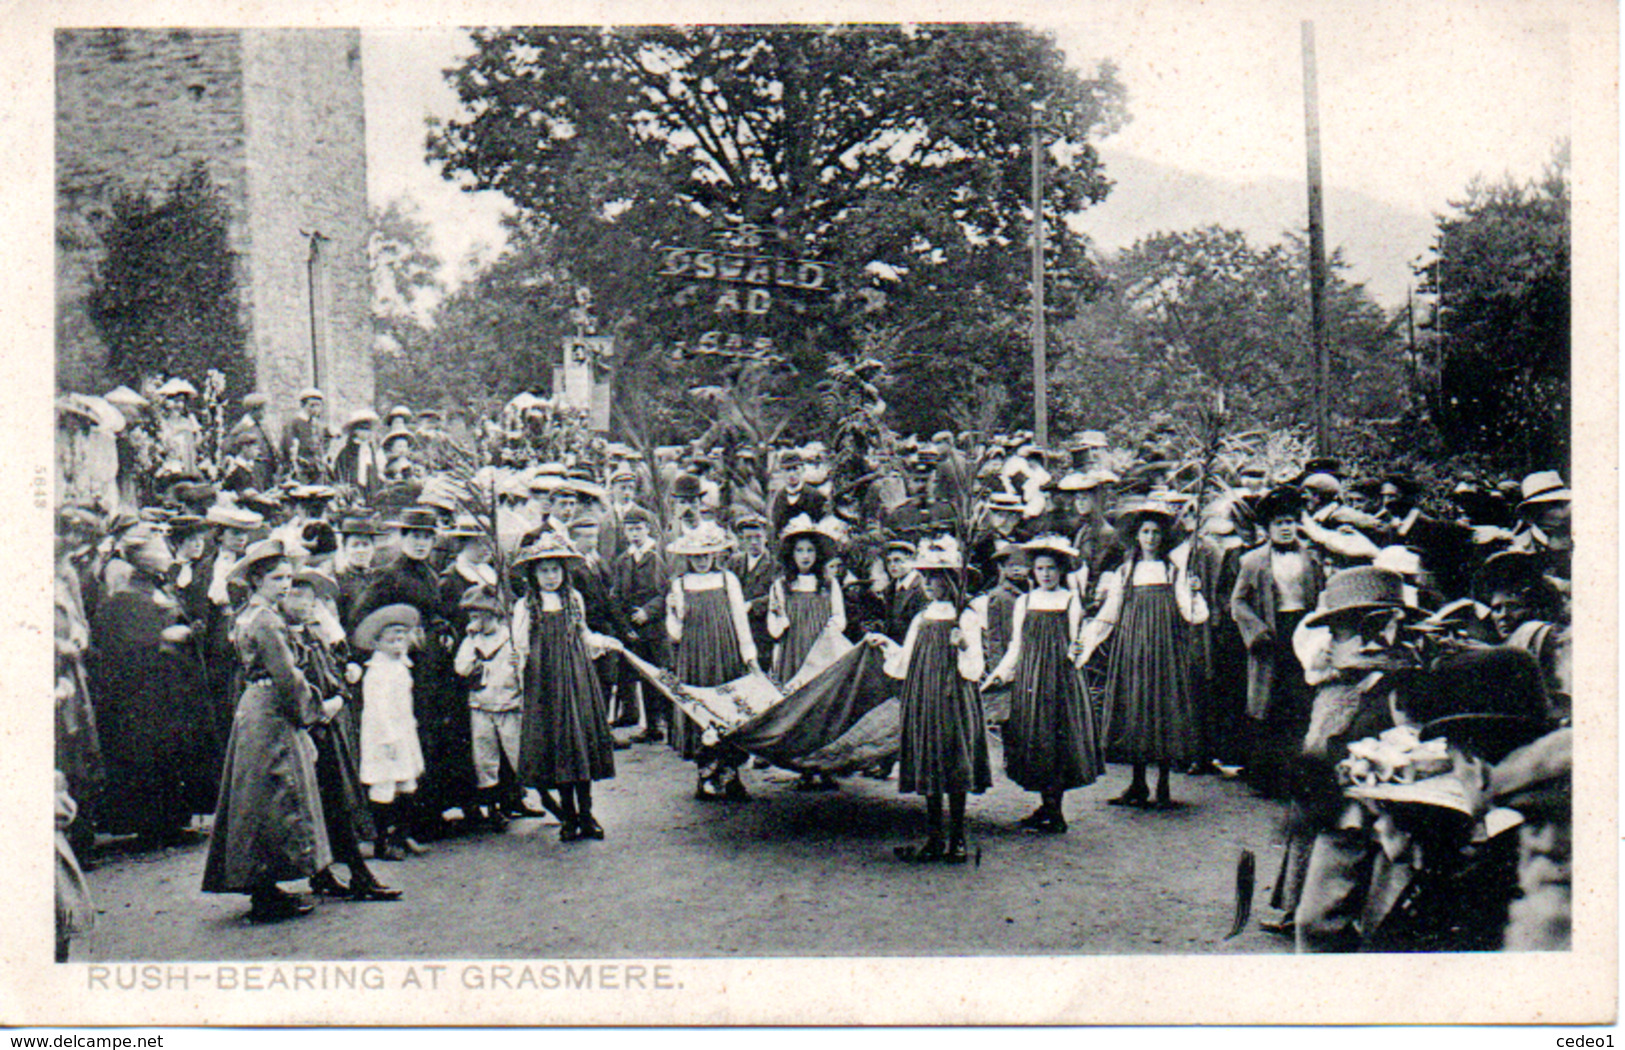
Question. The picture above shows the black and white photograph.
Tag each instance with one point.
(593, 504)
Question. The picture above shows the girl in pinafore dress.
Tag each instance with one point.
(707, 620)
(944, 747)
(1049, 739)
(564, 738)
(1150, 601)
(802, 603)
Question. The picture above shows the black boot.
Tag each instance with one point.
(590, 828)
(383, 822)
(956, 853)
(364, 886)
(570, 830)
(933, 848)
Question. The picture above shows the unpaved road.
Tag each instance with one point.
(785, 874)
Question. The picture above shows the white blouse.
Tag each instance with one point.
(550, 601)
(972, 663)
(694, 582)
(778, 618)
(1192, 606)
(1062, 598)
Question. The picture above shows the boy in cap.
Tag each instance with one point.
(997, 608)
(795, 497)
(304, 439)
(756, 569)
(495, 698)
(641, 577)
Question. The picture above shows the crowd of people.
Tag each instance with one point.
(392, 632)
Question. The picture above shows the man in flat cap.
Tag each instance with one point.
(304, 439)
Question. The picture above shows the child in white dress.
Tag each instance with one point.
(391, 757)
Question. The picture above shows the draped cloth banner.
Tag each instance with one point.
(840, 720)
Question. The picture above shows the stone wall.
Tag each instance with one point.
(277, 117)
(306, 162)
(135, 109)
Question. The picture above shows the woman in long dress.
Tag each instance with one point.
(707, 621)
(803, 602)
(1050, 744)
(564, 737)
(152, 707)
(1150, 603)
(944, 746)
(268, 824)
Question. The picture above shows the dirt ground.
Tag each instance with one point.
(788, 873)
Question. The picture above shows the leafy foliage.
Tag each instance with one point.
(897, 156)
(496, 335)
(1192, 312)
(1500, 335)
(165, 299)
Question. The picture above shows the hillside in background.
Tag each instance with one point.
(1379, 240)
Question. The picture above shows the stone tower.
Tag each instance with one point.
(276, 117)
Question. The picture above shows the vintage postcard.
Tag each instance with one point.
(1094, 513)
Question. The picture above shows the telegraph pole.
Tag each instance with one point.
(1317, 243)
(1040, 376)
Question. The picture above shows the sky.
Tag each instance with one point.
(1415, 99)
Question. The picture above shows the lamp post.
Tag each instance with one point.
(1040, 371)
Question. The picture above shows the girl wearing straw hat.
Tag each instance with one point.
(1150, 601)
(944, 747)
(707, 620)
(564, 738)
(391, 754)
(1049, 740)
(268, 824)
(802, 603)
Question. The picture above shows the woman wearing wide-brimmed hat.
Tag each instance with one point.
(944, 747)
(1150, 602)
(1050, 745)
(708, 621)
(268, 825)
(802, 603)
(564, 737)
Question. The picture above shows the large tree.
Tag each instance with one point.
(1500, 335)
(496, 334)
(165, 299)
(896, 156)
(1192, 312)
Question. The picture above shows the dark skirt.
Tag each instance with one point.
(338, 777)
(944, 746)
(1049, 739)
(564, 735)
(707, 655)
(1149, 713)
(268, 822)
(808, 613)
(440, 705)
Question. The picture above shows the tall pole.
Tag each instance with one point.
(312, 285)
(1317, 243)
(1040, 377)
